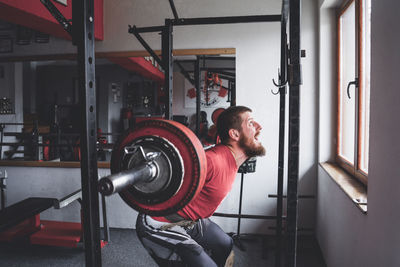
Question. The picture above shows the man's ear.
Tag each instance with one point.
(234, 134)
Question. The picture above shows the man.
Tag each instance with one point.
(189, 237)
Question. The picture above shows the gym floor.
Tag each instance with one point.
(126, 250)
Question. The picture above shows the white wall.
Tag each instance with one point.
(257, 61)
(327, 84)
(347, 237)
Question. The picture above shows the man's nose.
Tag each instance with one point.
(258, 126)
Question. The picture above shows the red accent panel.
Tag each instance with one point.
(23, 229)
(103, 243)
(98, 20)
(191, 93)
(222, 92)
(34, 15)
(141, 66)
(62, 234)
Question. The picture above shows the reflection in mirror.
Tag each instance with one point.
(41, 114)
(217, 92)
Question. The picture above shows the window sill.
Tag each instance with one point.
(351, 186)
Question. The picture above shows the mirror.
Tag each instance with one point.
(217, 91)
(41, 115)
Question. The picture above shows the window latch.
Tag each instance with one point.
(355, 82)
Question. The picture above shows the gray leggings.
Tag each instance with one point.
(202, 244)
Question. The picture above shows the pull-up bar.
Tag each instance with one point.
(211, 20)
(226, 20)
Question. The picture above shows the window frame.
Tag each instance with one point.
(345, 164)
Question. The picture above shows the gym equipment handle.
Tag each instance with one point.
(355, 82)
(119, 181)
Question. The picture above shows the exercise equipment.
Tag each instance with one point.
(21, 222)
(157, 168)
(215, 114)
(82, 36)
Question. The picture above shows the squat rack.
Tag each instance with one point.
(82, 32)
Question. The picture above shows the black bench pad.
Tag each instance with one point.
(23, 210)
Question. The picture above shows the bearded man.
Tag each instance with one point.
(189, 237)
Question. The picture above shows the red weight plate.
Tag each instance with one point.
(215, 114)
(191, 151)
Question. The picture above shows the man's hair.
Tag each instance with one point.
(230, 119)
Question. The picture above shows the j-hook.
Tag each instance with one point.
(278, 85)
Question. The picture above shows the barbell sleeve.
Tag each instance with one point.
(119, 181)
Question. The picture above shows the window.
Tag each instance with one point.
(354, 63)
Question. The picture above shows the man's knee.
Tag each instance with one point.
(230, 260)
(223, 243)
(218, 242)
(227, 243)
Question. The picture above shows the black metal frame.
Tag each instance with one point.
(3, 189)
(82, 32)
(83, 36)
(291, 9)
(32, 137)
(232, 95)
(226, 20)
(245, 216)
(184, 72)
(290, 73)
(171, 2)
(221, 71)
(236, 238)
(281, 154)
(168, 66)
(66, 24)
(167, 48)
(197, 79)
(294, 73)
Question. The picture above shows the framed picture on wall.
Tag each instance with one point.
(6, 44)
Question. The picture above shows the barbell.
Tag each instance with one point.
(157, 168)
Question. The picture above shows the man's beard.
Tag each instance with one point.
(251, 149)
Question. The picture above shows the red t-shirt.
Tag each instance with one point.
(221, 173)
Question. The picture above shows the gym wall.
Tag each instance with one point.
(257, 60)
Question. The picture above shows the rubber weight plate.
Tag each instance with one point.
(191, 154)
(215, 114)
(170, 172)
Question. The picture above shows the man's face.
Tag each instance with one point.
(248, 140)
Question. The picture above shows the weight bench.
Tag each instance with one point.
(23, 210)
(22, 221)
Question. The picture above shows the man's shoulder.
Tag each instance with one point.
(217, 148)
(218, 153)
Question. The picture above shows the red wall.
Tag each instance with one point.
(33, 14)
(141, 66)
